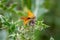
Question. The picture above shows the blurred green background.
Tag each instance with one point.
(47, 25)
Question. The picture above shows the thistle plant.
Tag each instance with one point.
(10, 21)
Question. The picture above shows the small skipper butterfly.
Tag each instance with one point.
(29, 18)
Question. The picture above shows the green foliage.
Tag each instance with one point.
(10, 19)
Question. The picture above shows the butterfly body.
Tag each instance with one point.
(29, 19)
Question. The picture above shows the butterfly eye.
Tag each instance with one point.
(29, 18)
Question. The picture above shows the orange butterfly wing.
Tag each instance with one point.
(30, 14)
(26, 19)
